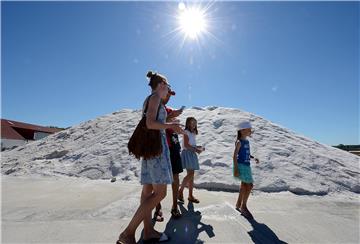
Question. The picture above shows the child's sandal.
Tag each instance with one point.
(194, 200)
(175, 213)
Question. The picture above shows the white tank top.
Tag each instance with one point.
(192, 139)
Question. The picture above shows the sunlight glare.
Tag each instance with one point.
(192, 22)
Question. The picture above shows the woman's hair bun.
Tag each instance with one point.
(150, 74)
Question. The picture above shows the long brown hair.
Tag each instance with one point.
(238, 136)
(187, 125)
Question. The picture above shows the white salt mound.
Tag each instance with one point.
(97, 149)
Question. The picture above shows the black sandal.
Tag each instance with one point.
(163, 238)
(193, 199)
(175, 213)
(158, 216)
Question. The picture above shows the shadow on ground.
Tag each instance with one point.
(262, 234)
(187, 228)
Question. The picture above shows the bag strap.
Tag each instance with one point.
(147, 104)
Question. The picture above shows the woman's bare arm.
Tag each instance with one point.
(152, 123)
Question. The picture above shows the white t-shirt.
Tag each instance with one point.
(192, 139)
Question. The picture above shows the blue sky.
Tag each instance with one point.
(294, 63)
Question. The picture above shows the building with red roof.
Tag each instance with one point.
(14, 133)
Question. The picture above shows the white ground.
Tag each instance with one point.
(68, 210)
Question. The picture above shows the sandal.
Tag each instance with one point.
(194, 200)
(163, 238)
(124, 241)
(175, 213)
(151, 240)
(158, 216)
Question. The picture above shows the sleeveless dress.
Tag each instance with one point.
(158, 169)
(189, 158)
(243, 160)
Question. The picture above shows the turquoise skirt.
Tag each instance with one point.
(245, 174)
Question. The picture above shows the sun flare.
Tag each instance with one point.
(192, 21)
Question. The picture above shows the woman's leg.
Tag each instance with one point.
(145, 208)
(175, 190)
(158, 213)
(149, 231)
(158, 207)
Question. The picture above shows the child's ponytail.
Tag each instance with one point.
(238, 135)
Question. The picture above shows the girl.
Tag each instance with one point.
(242, 168)
(189, 158)
(156, 173)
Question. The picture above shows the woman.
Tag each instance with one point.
(156, 173)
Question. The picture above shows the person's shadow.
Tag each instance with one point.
(262, 234)
(187, 228)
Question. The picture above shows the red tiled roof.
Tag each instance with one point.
(7, 132)
(8, 129)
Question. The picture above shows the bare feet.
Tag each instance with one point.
(246, 213)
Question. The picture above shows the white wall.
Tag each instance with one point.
(9, 143)
(40, 135)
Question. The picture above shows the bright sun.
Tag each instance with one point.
(192, 21)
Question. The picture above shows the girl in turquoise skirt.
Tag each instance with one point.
(242, 168)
